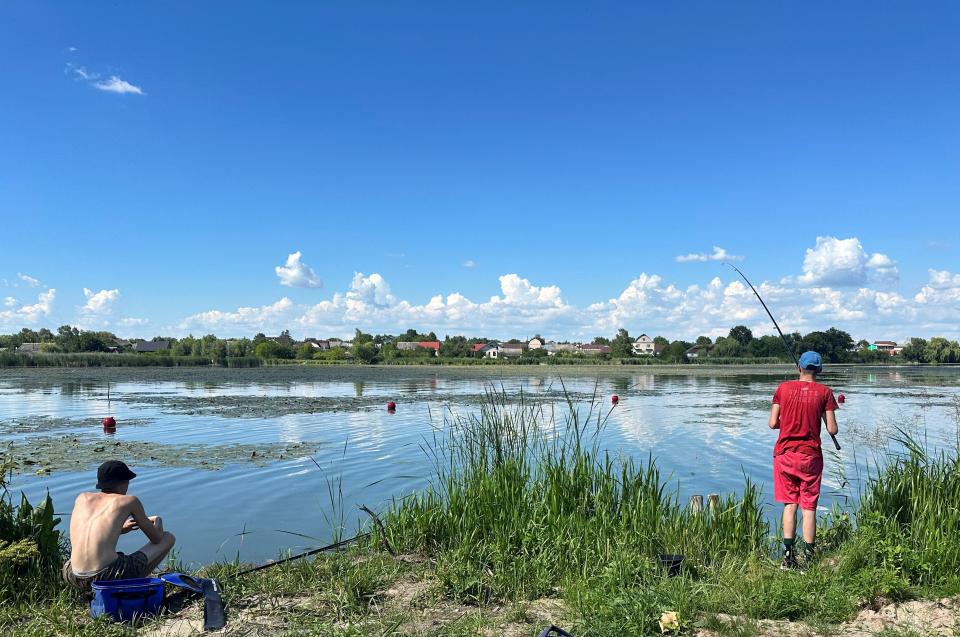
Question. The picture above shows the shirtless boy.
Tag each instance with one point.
(798, 407)
(98, 521)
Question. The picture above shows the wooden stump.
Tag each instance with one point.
(696, 503)
(713, 502)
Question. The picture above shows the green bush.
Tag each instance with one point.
(31, 547)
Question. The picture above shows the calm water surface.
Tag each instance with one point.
(707, 430)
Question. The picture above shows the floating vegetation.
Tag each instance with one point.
(37, 424)
(274, 406)
(47, 454)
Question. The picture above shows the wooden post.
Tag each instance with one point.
(713, 502)
(696, 503)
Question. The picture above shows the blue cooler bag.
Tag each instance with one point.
(128, 599)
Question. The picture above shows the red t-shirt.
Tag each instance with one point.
(802, 405)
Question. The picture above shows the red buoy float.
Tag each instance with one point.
(614, 399)
(109, 422)
(841, 398)
(391, 406)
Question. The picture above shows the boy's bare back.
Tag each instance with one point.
(96, 524)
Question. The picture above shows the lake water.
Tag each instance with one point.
(244, 461)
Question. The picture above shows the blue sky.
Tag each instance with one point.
(160, 162)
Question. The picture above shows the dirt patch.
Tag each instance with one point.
(930, 618)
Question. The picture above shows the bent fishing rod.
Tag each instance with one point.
(779, 331)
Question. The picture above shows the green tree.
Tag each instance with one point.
(833, 345)
(332, 354)
(272, 349)
(68, 338)
(674, 352)
(660, 340)
(622, 345)
(704, 340)
(601, 340)
(92, 342)
(941, 350)
(915, 350)
(727, 347)
(741, 334)
(304, 352)
(184, 346)
(768, 347)
(364, 351)
(456, 347)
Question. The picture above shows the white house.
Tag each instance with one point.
(644, 346)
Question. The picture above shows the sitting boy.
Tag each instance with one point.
(98, 521)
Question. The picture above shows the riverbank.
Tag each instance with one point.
(527, 523)
(364, 593)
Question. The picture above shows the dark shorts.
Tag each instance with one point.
(130, 566)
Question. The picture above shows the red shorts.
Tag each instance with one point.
(796, 479)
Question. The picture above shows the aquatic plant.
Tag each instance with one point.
(31, 547)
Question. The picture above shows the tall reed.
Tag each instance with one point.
(523, 500)
(913, 505)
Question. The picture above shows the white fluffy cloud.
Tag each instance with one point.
(826, 294)
(130, 321)
(646, 304)
(942, 288)
(469, 263)
(844, 262)
(296, 274)
(718, 254)
(117, 85)
(244, 318)
(370, 303)
(9, 301)
(28, 314)
(99, 303)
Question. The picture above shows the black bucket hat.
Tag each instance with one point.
(113, 471)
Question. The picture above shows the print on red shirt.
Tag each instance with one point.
(802, 405)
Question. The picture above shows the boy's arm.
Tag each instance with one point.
(149, 529)
(774, 421)
(830, 417)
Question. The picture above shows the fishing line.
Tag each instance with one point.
(779, 331)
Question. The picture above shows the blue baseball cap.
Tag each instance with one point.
(811, 361)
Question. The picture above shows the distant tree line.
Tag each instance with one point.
(836, 346)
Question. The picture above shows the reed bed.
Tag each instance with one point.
(92, 359)
(521, 505)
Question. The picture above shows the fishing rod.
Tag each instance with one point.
(779, 331)
(329, 547)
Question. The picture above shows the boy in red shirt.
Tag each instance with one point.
(798, 407)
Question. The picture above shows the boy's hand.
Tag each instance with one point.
(129, 525)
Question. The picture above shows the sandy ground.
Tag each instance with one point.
(423, 613)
